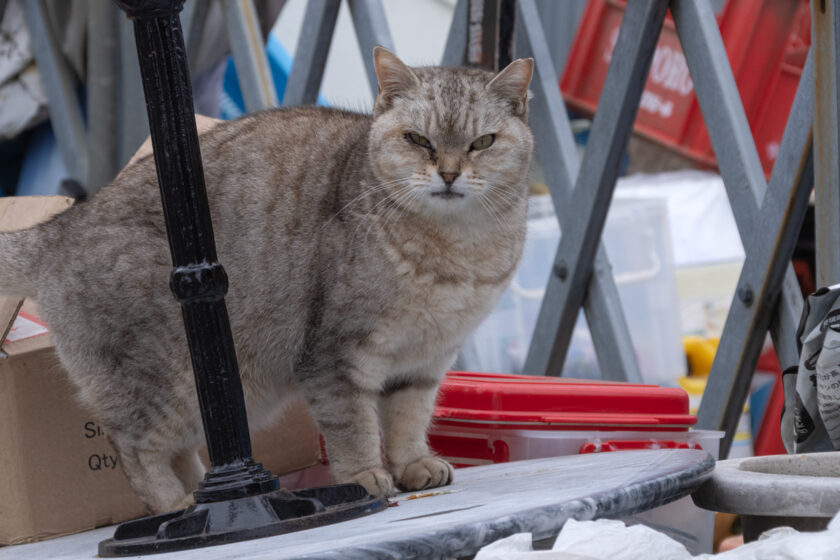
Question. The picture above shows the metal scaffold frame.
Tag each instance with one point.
(769, 217)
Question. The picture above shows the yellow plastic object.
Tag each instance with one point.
(701, 353)
(694, 386)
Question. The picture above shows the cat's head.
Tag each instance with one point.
(452, 143)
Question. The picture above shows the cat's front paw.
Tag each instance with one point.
(377, 481)
(427, 472)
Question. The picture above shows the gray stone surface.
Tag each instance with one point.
(777, 485)
(483, 505)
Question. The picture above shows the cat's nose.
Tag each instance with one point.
(449, 177)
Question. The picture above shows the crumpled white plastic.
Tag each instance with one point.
(607, 539)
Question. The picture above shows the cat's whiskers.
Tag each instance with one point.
(504, 211)
(503, 191)
(370, 215)
(495, 191)
(400, 204)
(404, 207)
(497, 201)
(485, 203)
(367, 192)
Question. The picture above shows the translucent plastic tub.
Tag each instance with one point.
(637, 239)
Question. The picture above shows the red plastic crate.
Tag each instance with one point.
(547, 403)
(766, 42)
(483, 418)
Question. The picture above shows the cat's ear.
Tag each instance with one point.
(395, 78)
(511, 84)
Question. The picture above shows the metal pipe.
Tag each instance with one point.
(825, 25)
(132, 124)
(102, 59)
(371, 30)
(455, 49)
(198, 282)
(60, 87)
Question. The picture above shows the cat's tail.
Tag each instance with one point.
(16, 271)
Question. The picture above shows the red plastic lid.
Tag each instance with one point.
(549, 403)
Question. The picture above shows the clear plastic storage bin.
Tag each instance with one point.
(637, 240)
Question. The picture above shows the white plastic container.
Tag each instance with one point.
(638, 244)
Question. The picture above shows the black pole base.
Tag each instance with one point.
(242, 519)
(238, 480)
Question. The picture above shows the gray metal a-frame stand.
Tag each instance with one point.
(769, 219)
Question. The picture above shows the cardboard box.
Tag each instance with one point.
(58, 473)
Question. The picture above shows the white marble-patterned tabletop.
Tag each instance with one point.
(484, 504)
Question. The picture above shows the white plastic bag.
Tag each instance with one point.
(607, 539)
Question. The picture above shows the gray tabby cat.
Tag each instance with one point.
(361, 252)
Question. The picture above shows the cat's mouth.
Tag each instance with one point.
(448, 193)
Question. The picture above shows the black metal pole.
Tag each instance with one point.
(198, 281)
(237, 499)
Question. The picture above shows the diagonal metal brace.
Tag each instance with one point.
(371, 30)
(582, 227)
(59, 85)
(311, 55)
(455, 50)
(314, 45)
(246, 42)
(742, 174)
(769, 250)
(560, 162)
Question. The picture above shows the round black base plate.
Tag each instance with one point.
(274, 513)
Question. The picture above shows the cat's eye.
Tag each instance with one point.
(483, 142)
(418, 139)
